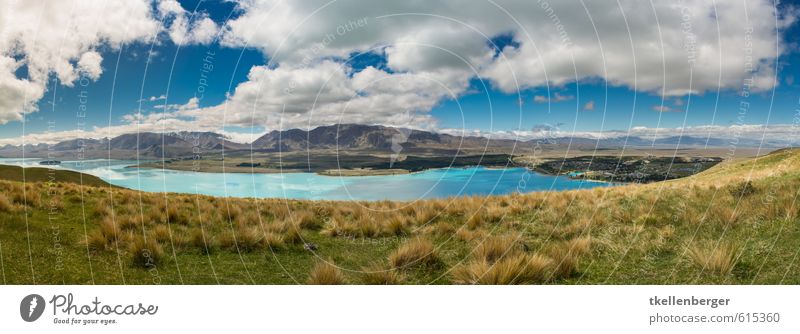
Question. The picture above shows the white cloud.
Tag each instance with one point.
(89, 64)
(17, 96)
(557, 97)
(62, 38)
(662, 108)
(665, 49)
(328, 92)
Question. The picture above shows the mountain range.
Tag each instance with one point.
(334, 138)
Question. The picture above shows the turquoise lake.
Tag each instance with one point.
(434, 183)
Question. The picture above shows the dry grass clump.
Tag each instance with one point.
(96, 241)
(464, 234)
(109, 229)
(306, 220)
(334, 227)
(376, 274)
(415, 252)
(517, 269)
(719, 259)
(128, 222)
(292, 234)
(396, 226)
(5, 204)
(493, 248)
(161, 233)
(145, 253)
(565, 256)
(202, 241)
(274, 241)
(326, 273)
(248, 239)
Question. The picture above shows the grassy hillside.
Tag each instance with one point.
(40, 174)
(736, 223)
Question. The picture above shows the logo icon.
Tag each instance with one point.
(31, 307)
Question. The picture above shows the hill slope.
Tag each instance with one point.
(689, 231)
(40, 174)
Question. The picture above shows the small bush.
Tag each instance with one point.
(416, 252)
(326, 273)
(743, 189)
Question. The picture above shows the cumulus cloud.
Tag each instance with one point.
(663, 48)
(329, 92)
(62, 39)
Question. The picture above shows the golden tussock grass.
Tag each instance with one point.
(145, 253)
(161, 233)
(719, 259)
(415, 252)
(517, 269)
(6, 205)
(566, 254)
(203, 241)
(96, 241)
(109, 229)
(493, 248)
(248, 239)
(292, 234)
(326, 273)
(376, 274)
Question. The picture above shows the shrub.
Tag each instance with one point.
(414, 252)
(326, 273)
(743, 189)
(145, 253)
(719, 260)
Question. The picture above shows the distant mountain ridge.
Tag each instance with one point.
(338, 137)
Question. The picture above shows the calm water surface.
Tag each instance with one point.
(435, 183)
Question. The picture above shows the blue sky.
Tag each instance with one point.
(149, 74)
